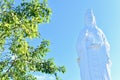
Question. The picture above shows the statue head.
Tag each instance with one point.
(90, 18)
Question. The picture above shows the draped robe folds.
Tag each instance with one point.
(93, 51)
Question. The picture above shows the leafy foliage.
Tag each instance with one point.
(17, 24)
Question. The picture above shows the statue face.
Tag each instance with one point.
(89, 18)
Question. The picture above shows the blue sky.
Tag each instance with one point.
(66, 22)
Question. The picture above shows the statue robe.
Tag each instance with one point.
(93, 51)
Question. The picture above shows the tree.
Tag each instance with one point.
(18, 24)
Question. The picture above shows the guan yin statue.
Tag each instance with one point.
(93, 51)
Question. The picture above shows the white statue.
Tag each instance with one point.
(93, 51)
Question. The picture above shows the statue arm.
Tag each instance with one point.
(80, 47)
(107, 48)
(80, 44)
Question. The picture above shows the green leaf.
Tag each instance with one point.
(19, 24)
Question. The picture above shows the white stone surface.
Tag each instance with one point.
(93, 51)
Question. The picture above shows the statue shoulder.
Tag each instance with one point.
(82, 33)
(99, 30)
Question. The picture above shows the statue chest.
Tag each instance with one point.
(93, 40)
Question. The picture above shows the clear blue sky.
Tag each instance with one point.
(66, 22)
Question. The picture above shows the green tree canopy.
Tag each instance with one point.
(17, 25)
